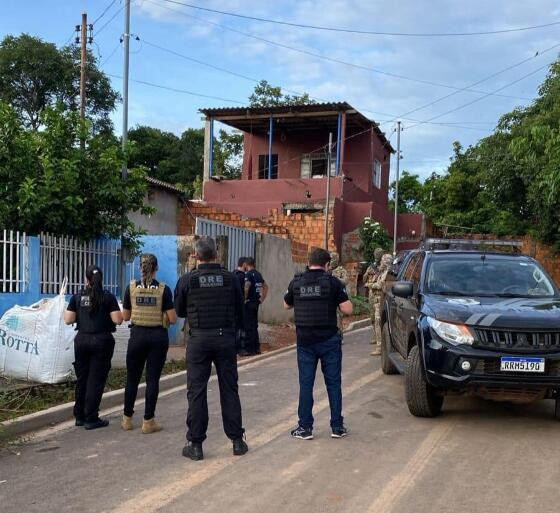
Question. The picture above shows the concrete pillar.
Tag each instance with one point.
(207, 149)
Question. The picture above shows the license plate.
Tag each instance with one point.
(519, 364)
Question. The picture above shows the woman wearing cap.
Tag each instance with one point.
(96, 313)
(148, 304)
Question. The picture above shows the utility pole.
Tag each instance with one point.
(395, 234)
(327, 200)
(83, 63)
(126, 39)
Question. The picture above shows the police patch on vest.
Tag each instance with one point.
(211, 280)
(310, 291)
(85, 301)
(146, 301)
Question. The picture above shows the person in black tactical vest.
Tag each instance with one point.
(315, 296)
(211, 300)
(148, 304)
(240, 275)
(255, 290)
(96, 313)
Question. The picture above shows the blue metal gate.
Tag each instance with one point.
(240, 242)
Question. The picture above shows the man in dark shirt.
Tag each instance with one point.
(256, 291)
(210, 298)
(240, 275)
(315, 296)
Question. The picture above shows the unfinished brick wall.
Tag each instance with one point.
(545, 255)
(302, 229)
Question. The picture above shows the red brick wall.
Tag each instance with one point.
(306, 230)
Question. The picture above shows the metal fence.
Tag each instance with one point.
(240, 242)
(67, 256)
(14, 256)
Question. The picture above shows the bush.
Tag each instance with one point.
(361, 305)
(373, 236)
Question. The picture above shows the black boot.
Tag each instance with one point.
(193, 451)
(96, 424)
(240, 447)
(80, 422)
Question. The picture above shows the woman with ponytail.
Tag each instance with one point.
(96, 313)
(148, 304)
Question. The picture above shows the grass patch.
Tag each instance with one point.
(361, 305)
(16, 402)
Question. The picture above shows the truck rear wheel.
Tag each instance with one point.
(421, 398)
(386, 347)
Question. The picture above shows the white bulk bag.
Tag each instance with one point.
(35, 344)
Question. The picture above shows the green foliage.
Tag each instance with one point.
(48, 183)
(508, 183)
(373, 236)
(228, 155)
(360, 305)
(410, 193)
(35, 75)
(266, 95)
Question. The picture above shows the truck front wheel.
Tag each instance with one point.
(421, 398)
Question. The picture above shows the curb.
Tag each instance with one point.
(63, 412)
(356, 325)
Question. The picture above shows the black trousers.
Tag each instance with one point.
(147, 348)
(251, 341)
(201, 353)
(92, 354)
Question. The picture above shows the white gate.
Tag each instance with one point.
(240, 242)
(67, 256)
(14, 258)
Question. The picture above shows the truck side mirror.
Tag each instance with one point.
(404, 289)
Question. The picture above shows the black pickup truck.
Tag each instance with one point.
(470, 321)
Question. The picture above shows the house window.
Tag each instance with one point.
(377, 174)
(263, 166)
(315, 166)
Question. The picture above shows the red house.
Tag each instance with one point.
(285, 165)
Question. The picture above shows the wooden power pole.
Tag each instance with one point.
(83, 63)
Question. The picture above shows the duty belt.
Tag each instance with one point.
(211, 332)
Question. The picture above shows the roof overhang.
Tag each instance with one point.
(293, 118)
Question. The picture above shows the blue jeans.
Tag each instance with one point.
(330, 355)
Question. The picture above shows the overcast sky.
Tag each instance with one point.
(207, 37)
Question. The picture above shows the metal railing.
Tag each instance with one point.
(14, 255)
(68, 256)
(241, 242)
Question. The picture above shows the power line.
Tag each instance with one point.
(326, 57)
(366, 32)
(119, 10)
(176, 90)
(104, 12)
(255, 80)
(113, 51)
(509, 84)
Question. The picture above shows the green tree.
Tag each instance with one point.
(228, 152)
(35, 75)
(50, 184)
(266, 95)
(410, 193)
(373, 236)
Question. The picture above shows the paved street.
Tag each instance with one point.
(478, 456)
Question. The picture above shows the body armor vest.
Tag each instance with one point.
(100, 322)
(210, 301)
(147, 305)
(313, 307)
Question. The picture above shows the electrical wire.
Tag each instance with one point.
(104, 12)
(176, 90)
(119, 10)
(255, 80)
(366, 32)
(325, 57)
(509, 84)
(113, 51)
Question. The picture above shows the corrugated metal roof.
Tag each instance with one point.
(248, 112)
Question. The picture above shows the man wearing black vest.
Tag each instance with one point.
(315, 296)
(210, 298)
